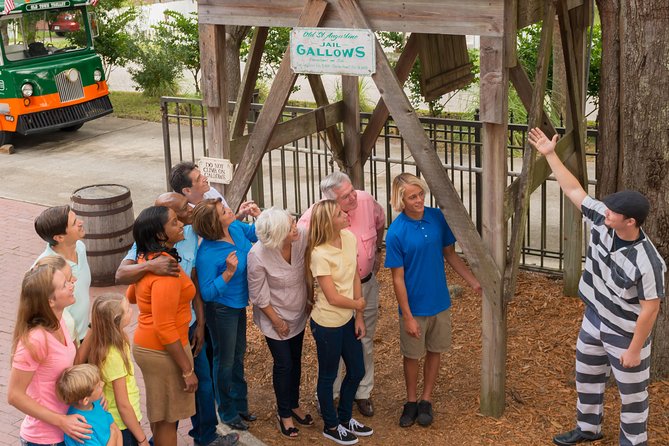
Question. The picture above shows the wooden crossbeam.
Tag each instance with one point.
(332, 133)
(523, 86)
(541, 171)
(380, 114)
(270, 113)
(249, 79)
(535, 113)
(480, 260)
(294, 129)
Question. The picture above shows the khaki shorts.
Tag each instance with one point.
(435, 335)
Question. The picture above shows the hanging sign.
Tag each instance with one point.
(332, 51)
(218, 170)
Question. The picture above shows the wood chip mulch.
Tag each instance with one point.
(540, 391)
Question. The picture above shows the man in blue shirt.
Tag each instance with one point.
(204, 421)
(417, 243)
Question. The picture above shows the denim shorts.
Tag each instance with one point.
(28, 443)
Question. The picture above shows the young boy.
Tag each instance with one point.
(80, 386)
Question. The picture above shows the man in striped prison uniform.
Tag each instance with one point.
(622, 285)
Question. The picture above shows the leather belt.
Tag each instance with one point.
(367, 278)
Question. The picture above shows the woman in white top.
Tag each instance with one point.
(278, 292)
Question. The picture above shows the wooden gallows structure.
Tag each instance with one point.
(494, 256)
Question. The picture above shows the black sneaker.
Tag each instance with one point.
(358, 429)
(576, 436)
(409, 413)
(340, 435)
(425, 414)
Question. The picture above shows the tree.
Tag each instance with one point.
(114, 43)
(179, 33)
(234, 36)
(636, 40)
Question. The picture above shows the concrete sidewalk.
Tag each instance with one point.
(19, 247)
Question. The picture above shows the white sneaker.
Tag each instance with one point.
(358, 429)
(340, 435)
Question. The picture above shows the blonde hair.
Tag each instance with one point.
(35, 310)
(321, 229)
(400, 183)
(106, 331)
(77, 382)
(205, 219)
(273, 226)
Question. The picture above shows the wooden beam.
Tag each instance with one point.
(480, 260)
(522, 199)
(474, 17)
(494, 114)
(214, 96)
(510, 32)
(271, 112)
(248, 82)
(522, 84)
(351, 95)
(541, 171)
(332, 132)
(293, 129)
(380, 114)
(573, 25)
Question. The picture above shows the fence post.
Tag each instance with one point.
(477, 175)
(166, 142)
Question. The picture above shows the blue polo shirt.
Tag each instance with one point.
(418, 247)
(187, 249)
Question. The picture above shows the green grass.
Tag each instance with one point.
(135, 106)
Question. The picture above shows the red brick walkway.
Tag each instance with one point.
(19, 247)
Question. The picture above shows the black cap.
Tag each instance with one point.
(630, 203)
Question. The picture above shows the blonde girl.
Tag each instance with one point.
(41, 350)
(332, 260)
(110, 352)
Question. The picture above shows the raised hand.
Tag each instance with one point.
(540, 141)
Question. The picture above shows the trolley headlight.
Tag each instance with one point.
(27, 90)
(72, 75)
(97, 75)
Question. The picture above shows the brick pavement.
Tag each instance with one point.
(19, 247)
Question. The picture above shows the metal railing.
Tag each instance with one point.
(289, 176)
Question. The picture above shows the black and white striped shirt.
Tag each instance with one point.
(613, 282)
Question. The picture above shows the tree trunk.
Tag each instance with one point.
(609, 159)
(234, 35)
(644, 82)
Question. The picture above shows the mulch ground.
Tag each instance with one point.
(540, 390)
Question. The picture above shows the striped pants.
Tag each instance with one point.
(598, 352)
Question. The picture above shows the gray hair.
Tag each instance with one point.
(273, 226)
(331, 182)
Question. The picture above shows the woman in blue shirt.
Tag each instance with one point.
(221, 271)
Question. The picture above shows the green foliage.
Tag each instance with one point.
(179, 35)
(366, 104)
(156, 72)
(275, 47)
(115, 43)
(528, 41)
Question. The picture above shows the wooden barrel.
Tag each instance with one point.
(106, 210)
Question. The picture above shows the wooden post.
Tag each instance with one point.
(214, 93)
(352, 130)
(494, 112)
(332, 133)
(573, 46)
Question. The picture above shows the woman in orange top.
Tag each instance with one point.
(161, 347)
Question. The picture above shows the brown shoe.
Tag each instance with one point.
(365, 406)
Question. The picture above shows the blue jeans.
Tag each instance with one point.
(227, 327)
(205, 420)
(333, 343)
(128, 438)
(287, 372)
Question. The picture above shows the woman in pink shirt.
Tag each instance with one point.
(41, 350)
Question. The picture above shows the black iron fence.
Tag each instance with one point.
(289, 176)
